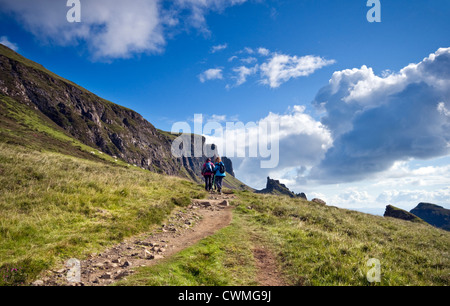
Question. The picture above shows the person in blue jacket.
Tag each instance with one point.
(219, 172)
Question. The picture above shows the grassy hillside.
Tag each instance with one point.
(55, 206)
(62, 198)
(314, 245)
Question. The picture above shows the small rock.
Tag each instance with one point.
(38, 283)
(116, 260)
(147, 254)
(122, 274)
(99, 265)
(319, 201)
(107, 275)
(126, 264)
(224, 203)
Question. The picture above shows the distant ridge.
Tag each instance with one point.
(433, 214)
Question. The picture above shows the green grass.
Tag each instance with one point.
(54, 207)
(223, 259)
(323, 245)
(314, 244)
(22, 126)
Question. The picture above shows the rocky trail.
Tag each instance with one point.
(184, 228)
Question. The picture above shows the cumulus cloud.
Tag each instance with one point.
(413, 197)
(280, 68)
(5, 41)
(378, 120)
(276, 69)
(302, 142)
(211, 74)
(113, 28)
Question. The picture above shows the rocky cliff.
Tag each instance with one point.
(100, 124)
(228, 165)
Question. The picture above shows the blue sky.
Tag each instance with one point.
(169, 60)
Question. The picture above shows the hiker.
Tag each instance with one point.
(219, 172)
(207, 172)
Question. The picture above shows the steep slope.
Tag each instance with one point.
(95, 122)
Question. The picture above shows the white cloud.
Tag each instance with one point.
(442, 109)
(263, 51)
(5, 41)
(113, 28)
(218, 48)
(413, 197)
(377, 121)
(244, 72)
(211, 74)
(247, 50)
(280, 68)
(302, 141)
(274, 70)
(249, 60)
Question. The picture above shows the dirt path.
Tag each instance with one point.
(184, 228)
(268, 273)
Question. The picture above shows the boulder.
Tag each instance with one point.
(319, 201)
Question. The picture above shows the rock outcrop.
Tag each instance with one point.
(398, 213)
(433, 214)
(277, 188)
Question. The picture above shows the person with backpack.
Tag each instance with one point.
(207, 172)
(219, 172)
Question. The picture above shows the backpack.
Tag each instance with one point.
(207, 168)
(221, 167)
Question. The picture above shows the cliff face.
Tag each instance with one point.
(228, 165)
(98, 123)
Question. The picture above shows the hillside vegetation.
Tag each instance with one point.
(314, 245)
(54, 207)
